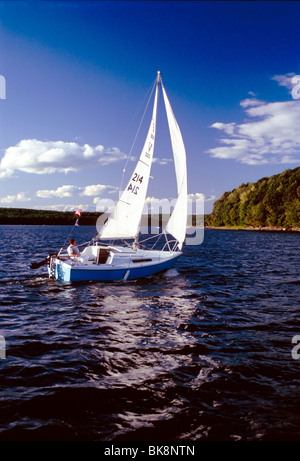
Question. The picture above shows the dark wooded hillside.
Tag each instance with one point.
(273, 201)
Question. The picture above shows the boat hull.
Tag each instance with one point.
(70, 272)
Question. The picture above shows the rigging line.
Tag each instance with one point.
(152, 237)
(150, 89)
(66, 240)
(129, 155)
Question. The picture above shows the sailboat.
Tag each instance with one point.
(104, 258)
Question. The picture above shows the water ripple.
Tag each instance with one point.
(200, 352)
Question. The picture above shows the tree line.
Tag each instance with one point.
(31, 216)
(273, 201)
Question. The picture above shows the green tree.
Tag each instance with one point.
(270, 201)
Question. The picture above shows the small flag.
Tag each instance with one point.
(76, 224)
(78, 212)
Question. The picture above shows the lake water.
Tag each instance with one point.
(201, 352)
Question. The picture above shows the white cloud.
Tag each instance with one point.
(47, 157)
(20, 197)
(64, 207)
(97, 189)
(227, 127)
(285, 80)
(270, 135)
(75, 191)
(63, 191)
(251, 102)
(196, 196)
(211, 198)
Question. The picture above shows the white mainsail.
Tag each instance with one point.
(125, 220)
(176, 225)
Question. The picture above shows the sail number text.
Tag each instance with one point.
(134, 188)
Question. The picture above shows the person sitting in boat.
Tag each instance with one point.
(72, 249)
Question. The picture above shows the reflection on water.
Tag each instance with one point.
(200, 352)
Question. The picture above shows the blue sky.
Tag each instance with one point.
(77, 74)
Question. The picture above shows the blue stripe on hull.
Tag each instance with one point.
(69, 274)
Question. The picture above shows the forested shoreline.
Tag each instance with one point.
(29, 216)
(269, 203)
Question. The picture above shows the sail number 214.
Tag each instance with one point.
(133, 187)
